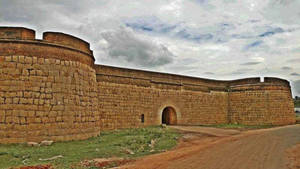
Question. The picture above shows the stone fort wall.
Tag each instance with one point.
(51, 89)
(48, 87)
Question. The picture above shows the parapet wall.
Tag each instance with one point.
(157, 80)
(17, 33)
(67, 40)
(22, 42)
(51, 89)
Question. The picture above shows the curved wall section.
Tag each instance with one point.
(266, 103)
(47, 91)
(17, 33)
(67, 40)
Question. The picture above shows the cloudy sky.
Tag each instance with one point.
(216, 39)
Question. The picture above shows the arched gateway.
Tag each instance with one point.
(169, 116)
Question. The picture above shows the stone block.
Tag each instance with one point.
(28, 60)
(8, 58)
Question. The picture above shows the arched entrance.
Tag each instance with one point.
(169, 116)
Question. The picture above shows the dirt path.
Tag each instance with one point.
(208, 130)
(275, 148)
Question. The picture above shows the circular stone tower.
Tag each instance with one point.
(47, 87)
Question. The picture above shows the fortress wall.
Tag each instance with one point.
(124, 97)
(264, 103)
(47, 91)
(51, 89)
(199, 101)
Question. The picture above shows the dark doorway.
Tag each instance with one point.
(142, 118)
(169, 116)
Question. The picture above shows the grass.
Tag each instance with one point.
(108, 144)
(239, 126)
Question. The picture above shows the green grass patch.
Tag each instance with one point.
(240, 126)
(108, 144)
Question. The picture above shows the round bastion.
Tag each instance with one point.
(47, 87)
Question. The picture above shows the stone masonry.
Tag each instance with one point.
(51, 89)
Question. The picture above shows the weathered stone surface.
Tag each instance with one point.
(51, 90)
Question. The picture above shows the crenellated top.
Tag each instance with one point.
(278, 81)
(22, 41)
(67, 40)
(246, 81)
(18, 33)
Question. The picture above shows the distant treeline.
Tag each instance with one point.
(297, 101)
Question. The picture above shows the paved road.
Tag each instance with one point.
(259, 149)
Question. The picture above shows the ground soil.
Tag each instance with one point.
(209, 148)
(37, 167)
(294, 156)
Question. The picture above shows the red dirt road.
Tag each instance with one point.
(276, 148)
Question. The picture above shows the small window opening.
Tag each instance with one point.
(142, 118)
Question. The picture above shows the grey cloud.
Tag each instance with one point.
(241, 71)
(27, 11)
(244, 70)
(296, 50)
(296, 87)
(42, 15)
(28, 7)
(125, 46)
(188, 61)
(286, 68)
(209, 73)
(177, 68)
(250, 63)
(294, 60)
(283, 11)
(237, 73)
(295, 74)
